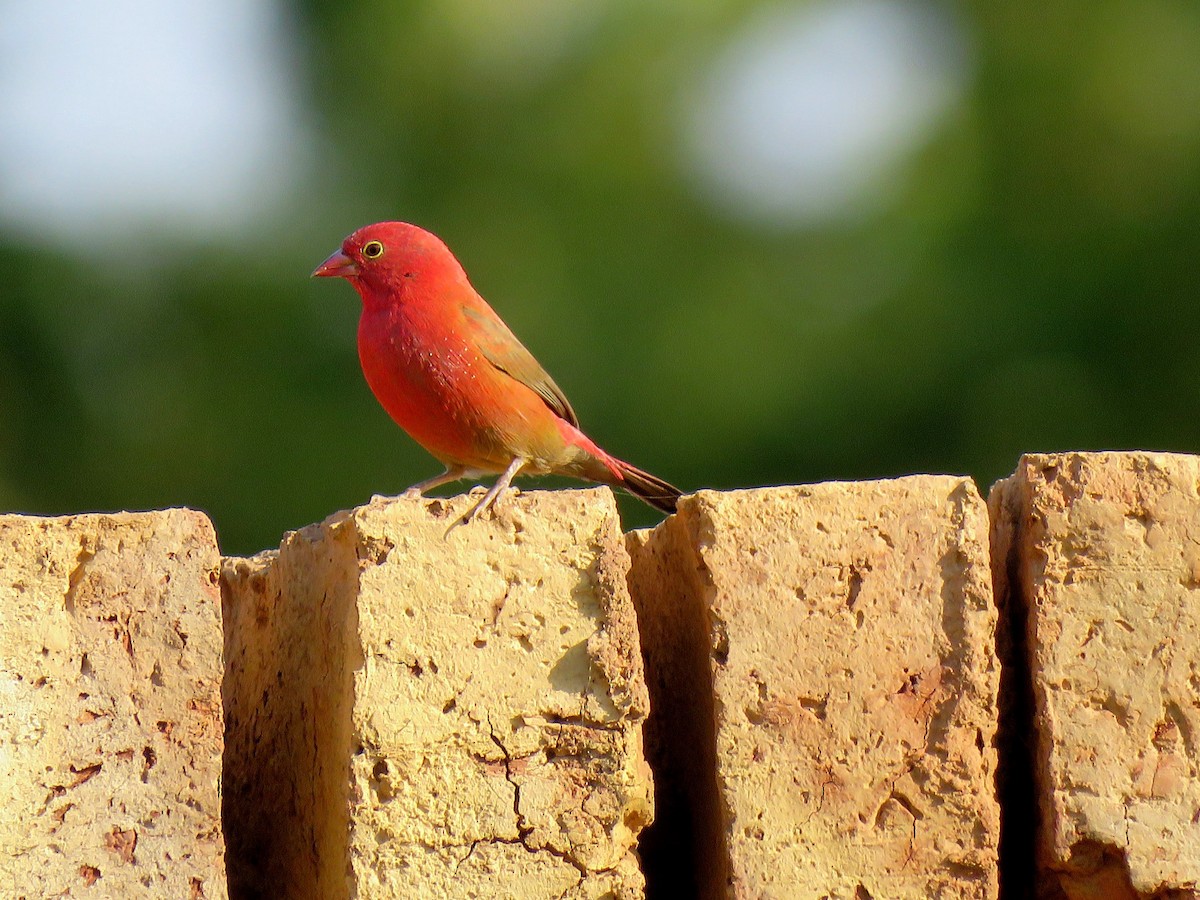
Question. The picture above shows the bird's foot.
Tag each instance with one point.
(488, 501)
(483, 503)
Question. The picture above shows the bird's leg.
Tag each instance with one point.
(489, 499)
(452, 473)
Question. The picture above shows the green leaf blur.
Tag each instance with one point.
(1029, 281)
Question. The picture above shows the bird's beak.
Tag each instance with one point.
(339, 265)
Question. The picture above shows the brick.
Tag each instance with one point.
(110, 707)
(839, 640)
(438, 714)
(1101, 554)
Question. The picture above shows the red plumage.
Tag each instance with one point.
(448, 370)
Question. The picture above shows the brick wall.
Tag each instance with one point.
(879, 690)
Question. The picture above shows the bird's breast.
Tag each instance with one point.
(437, 386)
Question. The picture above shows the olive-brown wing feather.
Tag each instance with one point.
(501, 348)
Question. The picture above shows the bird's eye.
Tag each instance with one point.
(372, 250)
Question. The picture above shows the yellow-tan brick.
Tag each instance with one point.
(438, 714)
(851, 679)
(110, 707)
(1101, 551)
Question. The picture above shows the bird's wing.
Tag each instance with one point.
(501, 348)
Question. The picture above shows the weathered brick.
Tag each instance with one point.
(847, 667)
(438, 714)
(110, 707)
(1101, 554)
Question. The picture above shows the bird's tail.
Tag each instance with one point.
(647, 487)
(596, 465)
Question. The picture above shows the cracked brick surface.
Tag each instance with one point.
(110, 711)
(488, 740)
(849, 630)
(1102, 553)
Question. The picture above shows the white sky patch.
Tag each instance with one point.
(128, 115)
(807, 110)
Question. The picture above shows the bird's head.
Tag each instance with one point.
(386, 257)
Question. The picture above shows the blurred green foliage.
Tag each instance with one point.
(1030, 282)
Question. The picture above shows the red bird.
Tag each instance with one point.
(451, 374)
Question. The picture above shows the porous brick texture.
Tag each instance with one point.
(415, 712)
(110, 707)
(850, 679)
(1101, 553)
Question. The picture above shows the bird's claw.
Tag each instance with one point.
(464, 519)
(480, 506)
(495, 492)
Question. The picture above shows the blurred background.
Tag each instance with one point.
(754, 242)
